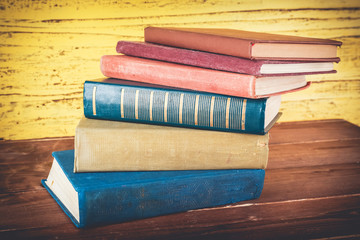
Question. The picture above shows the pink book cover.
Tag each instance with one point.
(180, 76)
(202, 59)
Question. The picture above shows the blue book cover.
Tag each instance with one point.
(120, 100)
(92, 199)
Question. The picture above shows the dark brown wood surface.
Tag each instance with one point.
(311, 191)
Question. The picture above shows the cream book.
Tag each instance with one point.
(102, 145)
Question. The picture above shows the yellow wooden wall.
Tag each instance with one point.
(49, 48)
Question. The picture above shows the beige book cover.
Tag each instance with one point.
(122, 146)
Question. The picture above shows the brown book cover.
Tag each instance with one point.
(246, 44)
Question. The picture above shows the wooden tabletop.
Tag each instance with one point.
(311, 191)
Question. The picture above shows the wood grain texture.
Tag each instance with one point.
(311, 191)
(49, 48)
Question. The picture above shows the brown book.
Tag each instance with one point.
(251, 45)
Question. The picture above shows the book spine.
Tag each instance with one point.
(189, 57)
(122, 146)
(199, 41)
(138, 201)
(177, 75)
(171, 107)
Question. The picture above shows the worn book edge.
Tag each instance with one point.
(62, 206)
(272, 123)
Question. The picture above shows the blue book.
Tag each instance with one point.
(92, 199)
(120, 100)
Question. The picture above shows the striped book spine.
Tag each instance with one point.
(122, 102)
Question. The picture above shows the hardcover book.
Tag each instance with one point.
(102, 145)
(199, 79)
(222, 62)
(92, 199)
(246, 44)
(114, 99)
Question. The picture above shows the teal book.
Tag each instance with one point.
(120, 100)
(93, 199)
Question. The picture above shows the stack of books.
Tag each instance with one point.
(181, 122)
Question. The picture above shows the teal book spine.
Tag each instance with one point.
(115, 197)
(137, 102)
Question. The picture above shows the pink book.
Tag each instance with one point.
(199, 79)
(223, 62)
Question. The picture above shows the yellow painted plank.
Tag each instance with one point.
(326, 90)
(66, 37)
(57, 115)
(337, 108)
(63, 53)
(304, 22)
(138, 8)
(324, 100)
(26, 119)
(49, 48)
